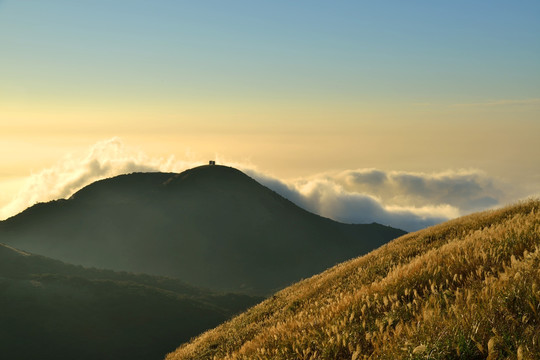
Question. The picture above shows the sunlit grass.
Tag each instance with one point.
(468, 288)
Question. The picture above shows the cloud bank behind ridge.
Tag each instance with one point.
(405, 200)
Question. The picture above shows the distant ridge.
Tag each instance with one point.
(211, 226)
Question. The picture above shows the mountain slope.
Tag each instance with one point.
(465, 289)
(211, 226)
(52, 310)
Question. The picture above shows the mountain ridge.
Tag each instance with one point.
(212, 226)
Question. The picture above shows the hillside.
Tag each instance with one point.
(52, 310)
(211, 226)
(465, 289)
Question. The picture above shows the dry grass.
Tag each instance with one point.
(468, 288)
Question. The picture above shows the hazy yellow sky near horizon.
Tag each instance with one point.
(289, 140)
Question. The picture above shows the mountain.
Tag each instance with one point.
(211, 226)
(465, 289)
(52, 310)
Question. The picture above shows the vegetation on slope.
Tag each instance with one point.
(52, 310)
(468, 288)
(211, 226)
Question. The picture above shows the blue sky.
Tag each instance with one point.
(411, 51)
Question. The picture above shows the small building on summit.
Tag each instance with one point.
(211, 162)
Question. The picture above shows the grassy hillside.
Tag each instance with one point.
(465, 289)
(52, 310)
(211, 226)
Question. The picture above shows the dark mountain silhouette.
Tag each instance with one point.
(211, 226)
(53, 310)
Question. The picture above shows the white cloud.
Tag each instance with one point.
(468, 190)
(401, 199)
(504, 102)
(324, 195)
(105, 159)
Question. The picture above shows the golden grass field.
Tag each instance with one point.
(465, 289)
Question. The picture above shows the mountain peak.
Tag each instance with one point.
(212, 173)
(211, 226)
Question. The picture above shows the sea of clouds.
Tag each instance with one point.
(401, 199)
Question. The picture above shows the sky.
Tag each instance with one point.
(404, 113)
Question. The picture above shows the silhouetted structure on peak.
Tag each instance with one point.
(211, 162)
